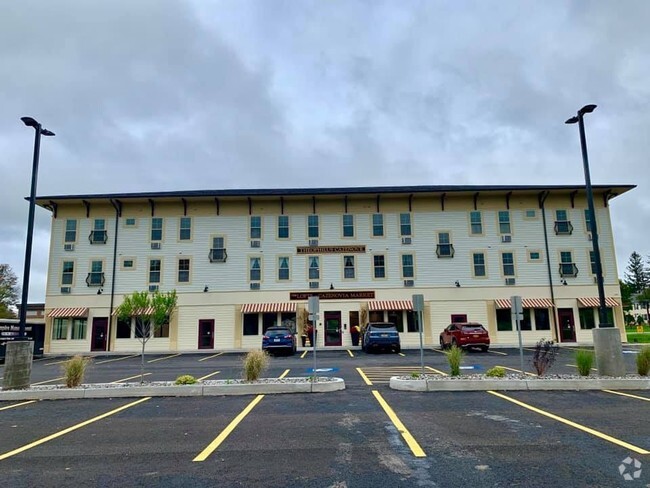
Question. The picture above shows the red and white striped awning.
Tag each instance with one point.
(526, 303)
(68, 313)
(390, 305)
(268, 307)
(139, 312)
(594, 302)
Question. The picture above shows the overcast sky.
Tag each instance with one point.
(155, 95)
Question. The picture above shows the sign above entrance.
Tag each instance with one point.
(333, 295)
(330, 249)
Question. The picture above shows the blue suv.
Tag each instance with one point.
(381, 335)
(279, 339)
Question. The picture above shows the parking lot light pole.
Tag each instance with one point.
(607, 339)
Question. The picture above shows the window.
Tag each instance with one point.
(405, 224)
(185, 230)
(70, 230)
(567, 266)
(283, 227)
(60, 329)
(156, 228)
(130, 222)
(98, 235)
(504, 222)
(78, 329)
(348, 225)
(283, 268)
(476, 223)
(411, 321)
(128, 263)
(542, 321)
(162, 330)
(376, 316)
(479, 264)
(251, 324)
(397, 318)
(255, 269)
(96, 275)
(67, 274)
(508, 263)
(592, 262)
(154, 270)
(587, 320)
(184, 270)
(377, 225)
(504, 321)
(314, 268)
(123, 329)
(312, 226)
(562, 223)
(255, 227)
(348, 267)
(288, 319)
(587, 220)
(269, 320)
(530, 214)
(218, 250)
(458, 318)
(407, 266)
(525, 323)
(444, 249)
(379, 266)
(142, 328)
(534, 256)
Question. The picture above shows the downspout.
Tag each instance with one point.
(118, 212)
(542, 198)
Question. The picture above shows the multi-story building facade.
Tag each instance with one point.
(243, 260)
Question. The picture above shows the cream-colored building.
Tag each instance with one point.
(243, 260)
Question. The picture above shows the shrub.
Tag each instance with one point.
(544, 356)
(584, 361)
(74, 370)
(255, 362)
(643, 361)
(496, 372)
(455, 357)
(415, 375)
(186, 379)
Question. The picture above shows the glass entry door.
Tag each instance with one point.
(567, 325)
(332, 328)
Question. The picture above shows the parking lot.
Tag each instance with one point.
(366, 435)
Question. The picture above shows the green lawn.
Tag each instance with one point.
(634, 337)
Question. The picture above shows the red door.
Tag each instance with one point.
(567, 325)
(99, 336)
(206, 334)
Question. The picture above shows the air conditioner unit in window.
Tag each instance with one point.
(255, 286)
(153, 288)
(408, 283)
(510, 281)
(68, 247)
(506, 238)
(155, 245)
(313, 242)
(313, 284)
(66, 289)
(406, 240)
(256, 243)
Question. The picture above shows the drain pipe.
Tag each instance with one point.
(117, 205)
(542, 199)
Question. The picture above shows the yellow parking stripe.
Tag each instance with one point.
(17, 405)
(364, 377)
(118, 359)
(162, 359)
(570, 423)
(70, 429)
(207, 376)
(622, 394)
(497, 352)
(517, 370)
(410, 440)
(350, 353)
(48, 381)
(203, 455)
(130, 378)
(286, 372)
(304, 354)
(436, 370)
(210, 357)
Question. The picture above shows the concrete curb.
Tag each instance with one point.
(536, 384)
(175, 391)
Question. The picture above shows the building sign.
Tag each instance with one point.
(330, 249)
(11, 330)
(333, 295)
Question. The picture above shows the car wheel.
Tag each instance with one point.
(454, 343)
(442, 344)
(398, 349)
(484, 348)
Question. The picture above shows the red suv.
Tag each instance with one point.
(465, 335)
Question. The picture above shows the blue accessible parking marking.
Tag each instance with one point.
(323, 370)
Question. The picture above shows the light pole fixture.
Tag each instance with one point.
(39, 131)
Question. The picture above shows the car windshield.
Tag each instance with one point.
(278, 332)
(382, 327)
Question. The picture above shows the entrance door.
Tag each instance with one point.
(206, 334)
(332, 328)
(567, 325)
(99, 336)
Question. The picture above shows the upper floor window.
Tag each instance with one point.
(283, 268)
(185, 230)
(508, 263)
(562, 222)
(530, 214)
(156, 228)
(348, 225)
(312, 226)
(96, 275)
(255, 227)
(592, 262)
(314, 268)
(348, 267)
(184, 270)
(407, 266)
(476, 222)
(479, 264)
(67, 273)
(444, 249)
(98, 235)
(567, 266)
(379, 266)
(405, 224)
(504, 222)
(154, 270)
(587, 220)
(377, 225)
(255, 269)
(130, 222)
(70, 230)
(283, 227)
(218, 249)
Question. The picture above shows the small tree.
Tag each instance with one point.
(9, 291)
(151, 312)
(636, 274)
